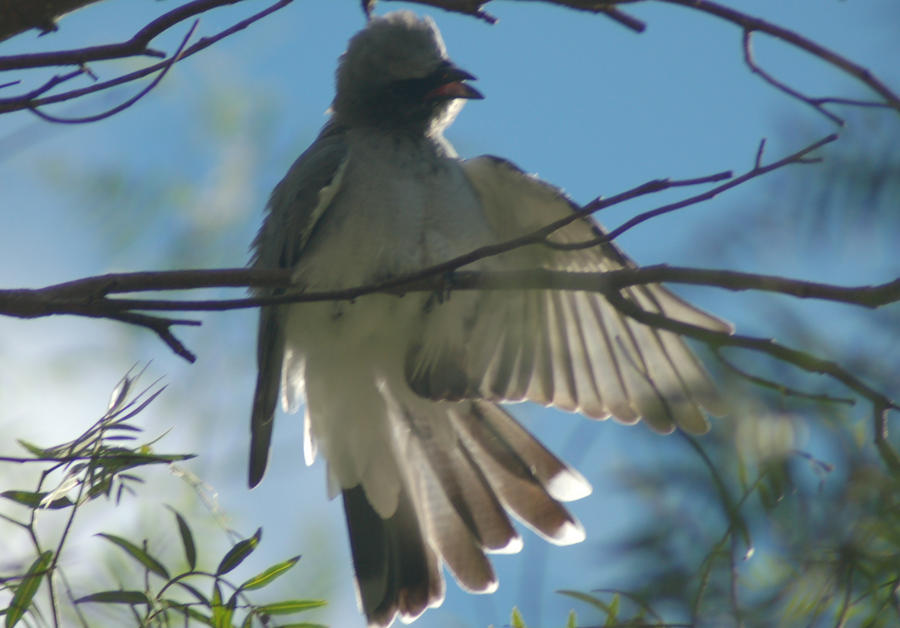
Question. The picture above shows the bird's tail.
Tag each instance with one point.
(463, 467)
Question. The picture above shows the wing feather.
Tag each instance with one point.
(296, 206)
(572, 350)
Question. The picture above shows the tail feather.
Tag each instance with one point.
(270, 351)
(452, 507)
(453, 531)
(524, 474)
(397, 571)
(467, 490)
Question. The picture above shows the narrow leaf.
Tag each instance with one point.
(34, 450)
(593, 601)
(33, 500)
(262, 579)
(221, 616)
(187, 539)
(27, 588)
(238, 553)
(516, 619)
(291, 606)
(187, 611)
(193, 591)
(138, 554)
(116, 597)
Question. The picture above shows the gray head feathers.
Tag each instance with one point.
(391, 73)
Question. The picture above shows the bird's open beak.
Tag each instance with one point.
(451, 84)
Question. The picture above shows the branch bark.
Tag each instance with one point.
(37, 97)
(23, 15)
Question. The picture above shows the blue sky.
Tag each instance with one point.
(179, 180)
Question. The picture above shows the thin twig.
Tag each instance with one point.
(751, 23)
(137, 45)
(780, 388)
(758, 170)
(30, 101)
(787, 89)
(805, 361)
(464, 7)
(128, 103)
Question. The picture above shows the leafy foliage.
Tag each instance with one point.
(99, 464)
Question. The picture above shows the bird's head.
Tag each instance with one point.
(395, 74)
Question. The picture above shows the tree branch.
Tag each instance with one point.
(881, 404)
(137, 45)
(22, 15)
(90, 296)
(36, 97)
(126, 104)
(750, 23)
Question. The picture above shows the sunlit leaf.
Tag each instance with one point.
(516, 619)
(291, 606)
(262, 579)
(34, 500)
(221, 615)
(35, 450)
(27, 588)
(238, 553)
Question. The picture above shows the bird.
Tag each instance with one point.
(403, 393)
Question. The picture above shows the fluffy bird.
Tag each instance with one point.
(401, 393)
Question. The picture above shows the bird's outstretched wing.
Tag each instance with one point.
(572, 350)
(293, 211)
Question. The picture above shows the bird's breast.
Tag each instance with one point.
(402, 205)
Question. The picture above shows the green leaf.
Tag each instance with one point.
(302, 624)
(238, 553)
(116, 597)
(33, 500)
(571, 622)
(187, 540)
(193, 614)
(27, 588)
(34, 450)
(221, 615)
(609, 609)
(516, 619)
(612, 614)
(262, 579)
(138, 554)
(193, 591)
(291, 606)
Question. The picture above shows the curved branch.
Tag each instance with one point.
(124, 105)
(35, 98)
(784, 87)
(750, 23)
(135, 46)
